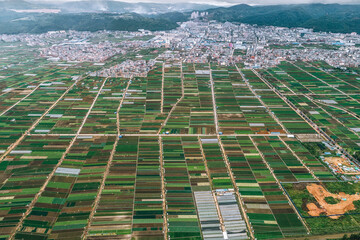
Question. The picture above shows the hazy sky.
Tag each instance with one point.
(228, 2)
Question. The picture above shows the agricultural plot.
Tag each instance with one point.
(181, 211)
(283, 81)
(333, 81)
(340, 102)
(333, 106)
(212, 154)
(148, 215)
(69, 113)
(259, 118)
(111, 218)
(282, 162)
(133, 108)
(265, 205)
(338, 128)
(172, 85)
(102, 118)
(258, 210)
(308, 81)
(194, 112)
(238, 108)
(67, 200)
(286, 116)
(15, 93)
(18, 119)
(17, 58)
(311, 161)
(192, 151)
(269, 75)
(153, 118)
(24, 171)
(27, 78)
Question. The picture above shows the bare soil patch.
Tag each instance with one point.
(331, 210)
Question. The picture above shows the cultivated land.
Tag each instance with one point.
(188, 152)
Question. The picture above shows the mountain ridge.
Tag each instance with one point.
(320, 17)
(105, 6)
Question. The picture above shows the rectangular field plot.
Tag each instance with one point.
(22, 116)
(114, 214)
(24, 76)
(338, 125)
(311, 161)
(309, 81)
(172, 85)
(265, 204)
(181, 211)
(282, 162)
(329, 79)
(239, 109)
(193, 113)
(23, 173)
(68, 197)
(281, 112)
(102, 118)
(215, 163)
(133, 109)
(148, 217)
(191, 151)
(153, 118)
(70, 111)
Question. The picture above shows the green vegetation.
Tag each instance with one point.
(140, 175)
(320, 17)
(274, 46)
(331, 200)
(348, 188)
(351, 237)
(239, 52)
(322, 46)
(357, 155)
(12, 23)
(325, 225)
(315, 148)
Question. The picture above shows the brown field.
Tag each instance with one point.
(320, 193)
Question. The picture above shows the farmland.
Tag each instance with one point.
(191, 151)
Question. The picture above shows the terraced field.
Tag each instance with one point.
(193, 151)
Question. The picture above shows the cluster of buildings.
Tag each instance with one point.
(127, 69)
(82, 51)
(259, 46)
(199, 41)
(342, 166)
(198, 14)
(41, 40)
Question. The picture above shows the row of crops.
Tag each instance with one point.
(131, 202)
(329, 98)
(99, 185)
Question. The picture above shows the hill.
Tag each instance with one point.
(112, 6)
(320, 17)
(13, 23)
(113, 15)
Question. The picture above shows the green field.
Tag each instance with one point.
(119, 158)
